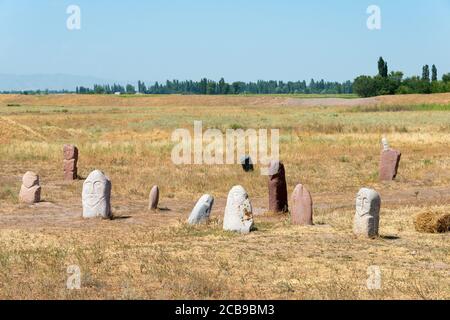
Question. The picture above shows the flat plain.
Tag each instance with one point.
(330, 145)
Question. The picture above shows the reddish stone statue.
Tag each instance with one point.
(390, 160)
(70, 162)
(302, 210)
(30, 191)
(278, 199)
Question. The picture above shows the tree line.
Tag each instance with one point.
(385, 83)
(211, 87)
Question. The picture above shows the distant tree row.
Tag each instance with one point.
(210, 87)
(385, 83)
(106, 89)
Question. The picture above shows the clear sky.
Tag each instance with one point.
(239, 40)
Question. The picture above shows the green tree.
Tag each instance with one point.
(365, 86)
(382, 68)
(434, 76)
(446, 77)
(202, 86)
(222, 86)
(130, 89)
(426, 73)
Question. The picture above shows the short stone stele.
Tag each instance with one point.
(367, 216)
(238, 211)
(278, 197)
(302, 206)
(153, 198)
(70, 162)
(247, 163)
(202, 210)
(96, 196)
(30, 191)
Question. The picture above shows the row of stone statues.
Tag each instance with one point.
(238, 217)
(96, 196)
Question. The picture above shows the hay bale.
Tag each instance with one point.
(432, 221)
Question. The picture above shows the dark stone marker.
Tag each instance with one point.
(247, 163)
(70, 162)
(390, 160)
(278, 199)
(302, 206)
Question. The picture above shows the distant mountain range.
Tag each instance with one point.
(11, 82)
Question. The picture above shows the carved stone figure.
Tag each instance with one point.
(30, 191)
(96, 196)
(238, 211)
(389, 162)
(202, 210)
(302, 206)
(70, 162)
(367, 216)
(278, 198)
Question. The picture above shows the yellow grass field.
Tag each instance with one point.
(332, 146)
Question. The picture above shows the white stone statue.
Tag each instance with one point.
(202, 210)
(96, 196)
(238, 211)
(367, 216)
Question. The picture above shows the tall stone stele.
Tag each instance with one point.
(367, 216)
(238, 211)
(70, 162)
(30, 191)
(96, 196)
(389, 162)
(302, 206)
(278, 196)
(202, 210)
(153, 198)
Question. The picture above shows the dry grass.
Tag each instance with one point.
(155, 255)
(433, 220)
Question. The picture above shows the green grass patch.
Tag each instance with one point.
(399, 108)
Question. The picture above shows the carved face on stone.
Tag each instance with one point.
(238, 211)
(367, 214)
(96, 195)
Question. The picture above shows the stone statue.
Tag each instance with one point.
(238, 211)
(30, 191)
(247, 163)
(70, 162)
(278, 198)
(367, 216)
(153, 198)
(202, 210)
(96, 196)
(302, 206)
(389, 162)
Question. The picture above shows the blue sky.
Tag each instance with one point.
(239, 40)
